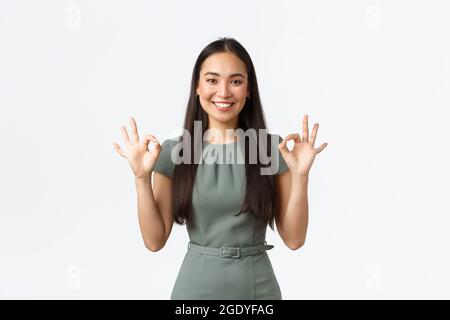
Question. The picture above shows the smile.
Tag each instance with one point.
(223, 105)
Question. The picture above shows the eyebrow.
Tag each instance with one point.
(218, 75)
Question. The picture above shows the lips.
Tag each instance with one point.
(223, 105)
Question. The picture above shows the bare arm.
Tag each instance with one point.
(150, 220)
(292, 186)
(154, 210)
(292, 213)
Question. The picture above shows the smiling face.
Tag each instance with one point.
(222, 89)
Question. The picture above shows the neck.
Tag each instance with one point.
(218, 131)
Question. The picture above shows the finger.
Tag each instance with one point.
(293, 136)
(152, 136)
(149, 138)
(134, 130)
(125, 136)
(305, 128)
(157, 147)
(312, 139)
(119, 150)
(318, 150)
(283, 148)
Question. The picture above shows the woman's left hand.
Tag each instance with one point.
(301, 157)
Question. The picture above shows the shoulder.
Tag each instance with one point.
(169, 143)
(277, 156)
(164, 164)
(276, 137)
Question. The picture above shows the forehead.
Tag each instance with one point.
(224, 63)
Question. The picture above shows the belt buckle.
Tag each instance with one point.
(237, 251)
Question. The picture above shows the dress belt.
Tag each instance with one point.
(231, 252)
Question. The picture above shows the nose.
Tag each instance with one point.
(224, 91)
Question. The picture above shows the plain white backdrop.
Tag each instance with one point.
(374, 74)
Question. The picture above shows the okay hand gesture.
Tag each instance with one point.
(141, 160)
(301, 157)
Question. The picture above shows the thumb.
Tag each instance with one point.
(283, 148)
(149, 138)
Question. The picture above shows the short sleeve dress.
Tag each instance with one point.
(218, 193)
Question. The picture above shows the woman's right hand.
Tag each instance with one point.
(141, 160)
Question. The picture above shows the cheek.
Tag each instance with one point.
(204, 90)
(241, 93)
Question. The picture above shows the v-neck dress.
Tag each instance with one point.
(218, 194)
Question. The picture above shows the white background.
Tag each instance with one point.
(374, 74)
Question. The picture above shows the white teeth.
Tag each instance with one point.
(223, 105)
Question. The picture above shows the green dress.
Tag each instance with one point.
(218, 193)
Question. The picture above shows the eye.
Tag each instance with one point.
(212, 81)
(237, 82)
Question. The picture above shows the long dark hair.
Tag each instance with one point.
(260, 189)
